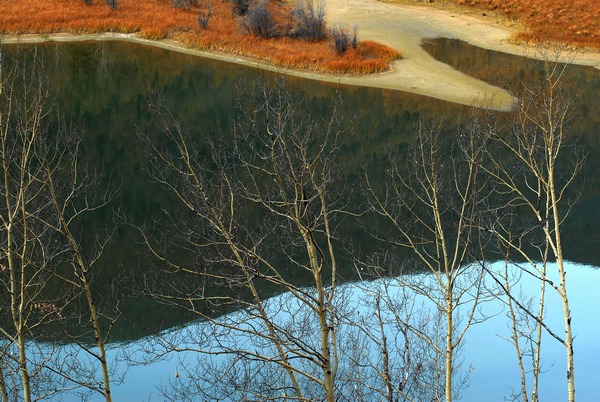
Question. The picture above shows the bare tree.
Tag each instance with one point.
(260, 214)
(256, 347)
(390, 357)
(259, 21)
(533, 174)
(310, 20)
(71, 200)
(25, 238)
(432, 209)
(41, 191)
(340, 39)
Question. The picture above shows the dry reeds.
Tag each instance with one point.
(573, 22)
(159, 19)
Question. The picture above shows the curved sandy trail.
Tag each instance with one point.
(405, 27)
(402, 27)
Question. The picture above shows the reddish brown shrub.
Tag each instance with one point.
(158, 19)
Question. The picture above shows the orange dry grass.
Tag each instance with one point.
(150, 19)
(575, 22)
(158, 19)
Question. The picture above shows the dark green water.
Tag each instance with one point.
(103, 87)
(583, 84)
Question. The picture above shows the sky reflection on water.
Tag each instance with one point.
(494, 374)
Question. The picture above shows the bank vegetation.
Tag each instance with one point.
(288, 35)
(575, 23)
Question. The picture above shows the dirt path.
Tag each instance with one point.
(402, 27)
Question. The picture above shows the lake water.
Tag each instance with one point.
(103, 87)
(494, 373)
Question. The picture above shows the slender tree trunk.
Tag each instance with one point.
(3, 390)
(538, 354)
(8, 228)
(326, 355)
(266, 320)
(87, 291)
(387, 378)
(516, 337)
(222, 229)
(449, 344)
(25, 379)
(322, 311)
(567, 318)
(17, 291)
(98, 337)
(568, 334)
(563, 287)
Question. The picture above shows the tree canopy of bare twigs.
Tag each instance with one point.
(431, 207)
(262, 215)
(533, 163)
(44, 269)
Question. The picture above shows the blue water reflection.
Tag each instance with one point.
(491, 359)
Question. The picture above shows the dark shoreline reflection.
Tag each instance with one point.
(581, 234)
(103, 88)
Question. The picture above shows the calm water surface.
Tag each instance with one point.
(103, 87)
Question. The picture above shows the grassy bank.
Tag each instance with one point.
(227, 29)
(575, 23)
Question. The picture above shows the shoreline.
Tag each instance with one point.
(402, 27)
(493, 98)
